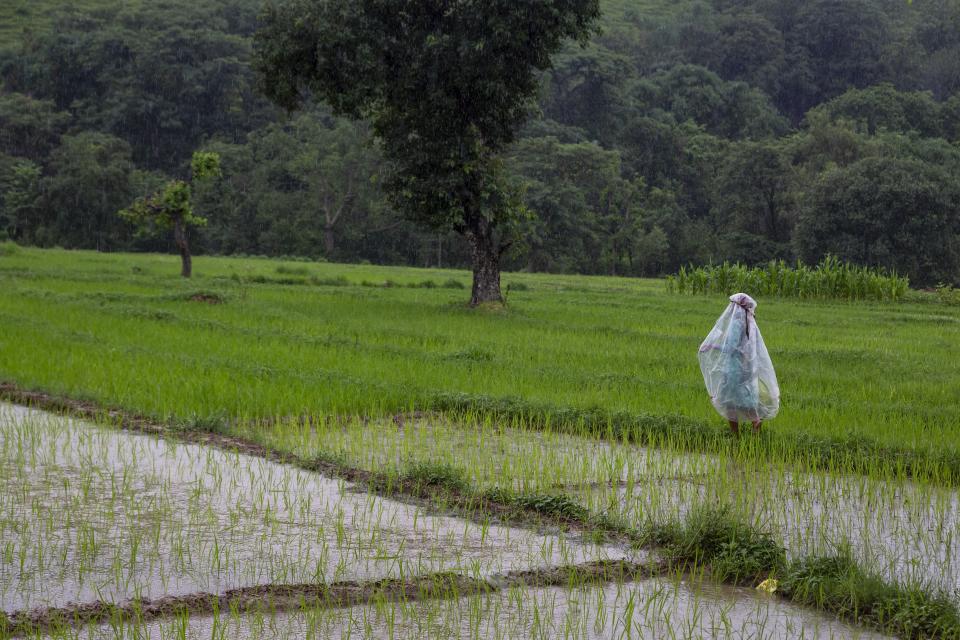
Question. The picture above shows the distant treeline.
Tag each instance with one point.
(686, 132)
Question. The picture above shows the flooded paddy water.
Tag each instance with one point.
(906, 531)
(651, 609)
(90, 513)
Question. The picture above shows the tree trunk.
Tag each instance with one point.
(329, 241)
(486, 261)
(180, 237)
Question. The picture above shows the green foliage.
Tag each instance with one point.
(587, 88)
(164, 78)
(205, 165)
(424, 475)
(728, 109)
(835, 46)
(20, 193)
(883, 107)
(736, 552)
(169, 206)
(947, 294)
(754, 196)
(829, 279)
(88, 178)
(29, 128)
(837, 584)
(902, 214)
(308, 186)
(558, 505)
(676, 110)
(410, 78)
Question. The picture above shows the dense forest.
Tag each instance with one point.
(684, 132)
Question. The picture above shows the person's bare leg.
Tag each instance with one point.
(756, 426)
(735, 427)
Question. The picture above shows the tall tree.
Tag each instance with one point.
(446, 86)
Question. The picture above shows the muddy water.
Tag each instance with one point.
(909, 532)
(649, 609)
(89, 513)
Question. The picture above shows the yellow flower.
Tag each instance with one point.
(767, 586)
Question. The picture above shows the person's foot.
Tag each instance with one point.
(735, 428)
(756, 426)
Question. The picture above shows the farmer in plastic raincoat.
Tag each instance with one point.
(737, 368)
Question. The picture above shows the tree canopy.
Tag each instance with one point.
(445, 85)
(171, 206)
(693, 131)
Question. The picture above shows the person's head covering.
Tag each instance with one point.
(744, 301)
(745, 304)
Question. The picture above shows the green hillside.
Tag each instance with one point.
(686, 132)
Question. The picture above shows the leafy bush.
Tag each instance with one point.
(551, 504)
(736, 551)
(435, 474)
(837, 584)
(948, 295)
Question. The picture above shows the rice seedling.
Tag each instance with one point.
(662, 608)
(460, 473)
(92, 514)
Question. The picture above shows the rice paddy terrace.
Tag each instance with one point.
(286, 449)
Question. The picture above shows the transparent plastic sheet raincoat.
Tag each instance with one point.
(736, 366)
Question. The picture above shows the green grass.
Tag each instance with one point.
(122, 330)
